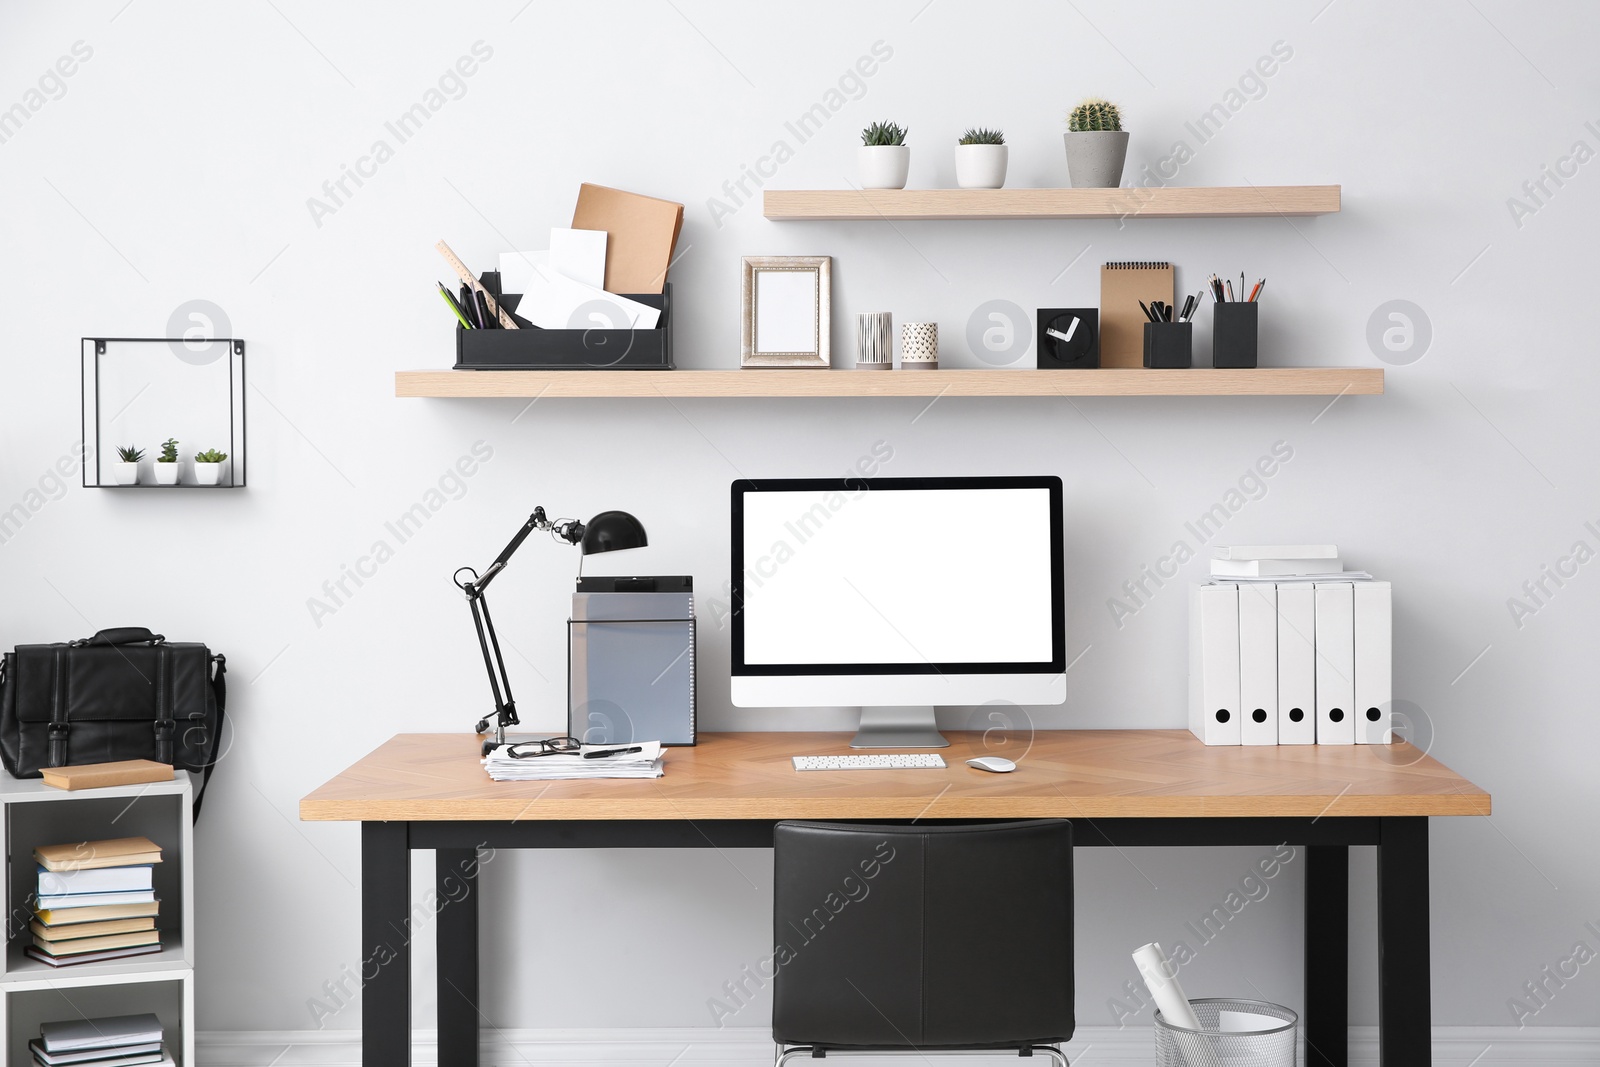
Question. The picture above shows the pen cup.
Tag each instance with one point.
(1233, 334)
(1168, 345)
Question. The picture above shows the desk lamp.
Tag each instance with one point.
(606, 532)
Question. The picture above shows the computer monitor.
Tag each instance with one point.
(895, 595)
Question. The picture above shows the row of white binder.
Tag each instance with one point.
(1291, 663)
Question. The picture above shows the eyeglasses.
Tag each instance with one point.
(553, 746)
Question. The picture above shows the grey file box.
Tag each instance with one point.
(631, 660)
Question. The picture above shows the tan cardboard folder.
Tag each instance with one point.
(1122, 286)
(643, 231)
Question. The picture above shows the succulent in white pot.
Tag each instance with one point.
(885, 157)
(1097, 145)
(208, 466)
(981, 159)
(126, 469)
(168, 465)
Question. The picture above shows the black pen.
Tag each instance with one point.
(613, 752)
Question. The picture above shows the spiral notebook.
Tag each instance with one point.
(1122, 287)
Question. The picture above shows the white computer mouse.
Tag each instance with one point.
(998, 764)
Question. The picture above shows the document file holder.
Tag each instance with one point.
(1258, 663)
(530, 348)
(1297, 664)
(1233, 334)
(631, 661)
(1374, 703)
(1214, 663)
(1336, 663)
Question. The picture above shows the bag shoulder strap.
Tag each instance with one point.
(219, 687)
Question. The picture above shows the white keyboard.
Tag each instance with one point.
(888, 761)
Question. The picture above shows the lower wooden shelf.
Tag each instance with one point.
(686, 384)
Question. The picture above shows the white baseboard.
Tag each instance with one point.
(1094, 1046)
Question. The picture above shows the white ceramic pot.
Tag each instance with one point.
(1095, 158)
(919, 346)
(208, 473)
(125, 473)
(884, 166)
(167, 473)
(980, 166)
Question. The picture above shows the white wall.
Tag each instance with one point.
(177, 165)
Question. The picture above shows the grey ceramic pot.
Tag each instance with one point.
(1095, 158)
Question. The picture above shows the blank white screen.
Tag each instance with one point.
(897, 576)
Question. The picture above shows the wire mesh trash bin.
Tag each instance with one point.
(1251, 1041)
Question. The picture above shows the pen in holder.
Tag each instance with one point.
(1233, 334)
(1168, 345)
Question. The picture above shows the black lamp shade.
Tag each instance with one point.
(610, 531)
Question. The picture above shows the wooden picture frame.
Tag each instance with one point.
(786, 311)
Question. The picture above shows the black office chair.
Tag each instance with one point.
(922, 938)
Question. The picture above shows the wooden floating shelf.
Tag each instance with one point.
(688, 384)
(1263, 201)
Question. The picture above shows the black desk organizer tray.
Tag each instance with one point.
(531, 348)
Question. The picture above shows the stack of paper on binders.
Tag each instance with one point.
(640, 759)
(1281, 563)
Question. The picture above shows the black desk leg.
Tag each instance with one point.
(1405, 1006)
(456, 870)
(1327, 1004)
(385, 945)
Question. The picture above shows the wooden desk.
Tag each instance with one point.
(1120, 787)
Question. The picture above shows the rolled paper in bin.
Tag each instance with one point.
(1161, 978)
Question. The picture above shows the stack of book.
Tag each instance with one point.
(514, 762)
(123, 1041)
(96, 901)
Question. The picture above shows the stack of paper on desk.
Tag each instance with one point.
(645, 763)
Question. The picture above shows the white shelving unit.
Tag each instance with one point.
(32, 992)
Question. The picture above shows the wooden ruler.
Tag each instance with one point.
(467, 276)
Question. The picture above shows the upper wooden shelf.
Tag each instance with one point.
(1252, 201)
(1266, 381)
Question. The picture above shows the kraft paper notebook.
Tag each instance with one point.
(1122, 286)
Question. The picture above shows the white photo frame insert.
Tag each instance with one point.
(786, 311)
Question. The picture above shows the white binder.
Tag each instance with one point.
(1336, 666)
(1374, 663)
(1214, 663)
(1297, 663)
(1258, 663)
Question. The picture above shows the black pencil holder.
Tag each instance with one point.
(1233, 334)
(1168, 345)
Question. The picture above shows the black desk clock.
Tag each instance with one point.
(1069, 338)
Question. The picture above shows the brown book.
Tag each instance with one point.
(91, 855)
(71, 931)
(97, 944)
(641, 233)
(100, 775)
(96, 913)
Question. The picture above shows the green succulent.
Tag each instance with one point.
(210, 456)
(1094, 114)
(169, 451)
(982, 136)
(883, 133)
(131, 454)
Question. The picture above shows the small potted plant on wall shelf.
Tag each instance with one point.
(1097, 145)
(885, 157)
(127, 467)
(208, 466)
(981, 159)
(168, 465)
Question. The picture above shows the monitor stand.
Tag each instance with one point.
(908, 727)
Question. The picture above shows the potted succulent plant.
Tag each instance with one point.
(168, 465)
(885, 157)
(126, 469)
(981, 159)
(208, 466)
(1097, 145)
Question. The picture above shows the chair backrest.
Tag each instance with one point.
(922, 936)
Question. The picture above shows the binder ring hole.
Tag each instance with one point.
(1296, 714)
(1259, 715)
(1336, 715)
(1373, 714)
(1222, 715)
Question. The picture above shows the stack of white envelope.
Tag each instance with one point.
(561, 287)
